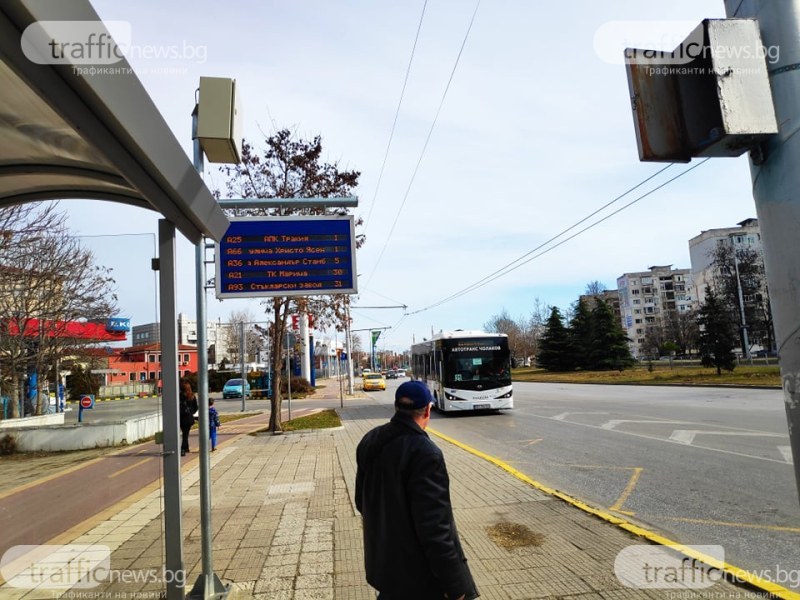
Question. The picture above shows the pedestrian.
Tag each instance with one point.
(187, 406)
(411, 546)
(213, 423)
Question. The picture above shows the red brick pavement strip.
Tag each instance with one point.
(41, 510)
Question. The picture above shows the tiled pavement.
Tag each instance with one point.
(285, 527)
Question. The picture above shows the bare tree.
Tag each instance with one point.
(595, 288)
(515, 330)
(47, 283)
(254, 340)
(535, 326)
(744, 267)
(290, 167)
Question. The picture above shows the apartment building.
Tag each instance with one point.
(610, 297)
(217, 337)
(701, 249)
(650, 299)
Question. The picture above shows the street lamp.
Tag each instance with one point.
(743, 322)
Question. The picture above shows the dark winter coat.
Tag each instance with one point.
(411, 546)
(187, 406)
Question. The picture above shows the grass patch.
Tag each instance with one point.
(322, 420)
(661, 374)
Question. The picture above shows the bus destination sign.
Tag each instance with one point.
(287, 256)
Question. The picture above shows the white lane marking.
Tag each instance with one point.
(614, 422)
(563, 416)
(786, 452)
(661, 439)
(686, 436)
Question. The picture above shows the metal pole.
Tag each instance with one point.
(173, 525)
(305, 358)
(207, 584)
(776, 181)
(288, 375)
(241, 362)
(745, 341)
(349, 346)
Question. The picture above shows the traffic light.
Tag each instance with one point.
(295, 322)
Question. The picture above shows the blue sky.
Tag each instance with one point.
(534, 134)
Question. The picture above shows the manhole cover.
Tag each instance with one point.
(513, 535)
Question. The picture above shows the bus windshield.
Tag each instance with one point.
(473, 369)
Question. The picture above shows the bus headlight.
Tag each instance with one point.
(506, 395)
(450, 396)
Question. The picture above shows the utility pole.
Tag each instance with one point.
(776, 181)
(743, 321)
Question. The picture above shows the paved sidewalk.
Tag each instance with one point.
(285, 527)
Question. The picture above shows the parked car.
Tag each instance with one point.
(233, 389)
(372, 382)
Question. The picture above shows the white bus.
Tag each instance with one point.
(465, 370)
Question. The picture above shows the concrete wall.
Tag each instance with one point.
(81, 436)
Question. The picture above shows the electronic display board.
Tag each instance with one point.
(287, 256)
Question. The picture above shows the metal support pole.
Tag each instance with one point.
(288, 375)
(776, 181)
(173, 525)
(208, 584)
(242, 367)
(348, 346)
(745, 340)
(305, 362)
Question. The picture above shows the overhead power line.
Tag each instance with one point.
(523, 260)
(396, 115)
(425, 145)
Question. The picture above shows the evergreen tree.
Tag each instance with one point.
(581, 336)
(717, 335)
(554, 345)
(610, 348)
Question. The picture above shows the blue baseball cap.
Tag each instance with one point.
(416, 393)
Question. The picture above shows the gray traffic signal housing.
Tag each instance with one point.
(710, 96)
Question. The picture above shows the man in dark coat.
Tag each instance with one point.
(187, 406)
(411, 546)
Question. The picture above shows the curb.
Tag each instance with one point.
(736, 575)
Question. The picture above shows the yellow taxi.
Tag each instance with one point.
(372, 382)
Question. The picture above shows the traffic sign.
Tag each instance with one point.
(287, 256)
(87, 401)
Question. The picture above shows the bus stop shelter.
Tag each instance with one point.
(74, 131)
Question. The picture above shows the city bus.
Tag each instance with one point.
(465, 370)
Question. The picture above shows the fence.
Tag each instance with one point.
(128, 390)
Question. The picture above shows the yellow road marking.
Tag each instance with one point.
(129, 467)
(738, 573)
(626, 512)
(628, 489)
(733, 524)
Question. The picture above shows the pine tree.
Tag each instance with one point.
(717, 335)
(610, 348)
(554, 345)
(581, 336)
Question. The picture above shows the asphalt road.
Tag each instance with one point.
(119, 410)
(699, 465)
